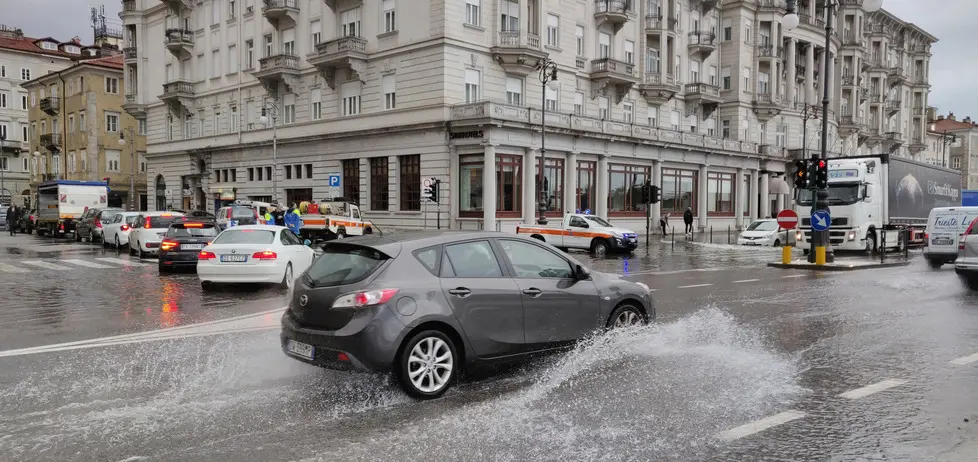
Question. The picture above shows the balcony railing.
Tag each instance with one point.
(655, 78)
(612, 66)
(768, 51)
(894, 136)
(350, 43)
(179, 37)
(178, 86)
(702, 38)
(893, 104)
(129, 6)
(129, 52)
(277, 4)
(132, 98)
(515, 39)
(702, 89)
(51, 140)
(281, 61)
(767, 98)
(612, 6)
(848, 81)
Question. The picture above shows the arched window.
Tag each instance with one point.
(160, 193)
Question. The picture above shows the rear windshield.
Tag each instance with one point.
(160, 222)
(343, 264)
(204, 230)
(242, 212)
(131, 220)
(245, 236)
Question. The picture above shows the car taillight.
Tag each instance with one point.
(364, 299)
(124, 227)
(169, 245)
(265, 255)
(98, 223)
(205, 255)
(146, 225)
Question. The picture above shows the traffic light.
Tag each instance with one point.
(821, 174)
(655, 193)
(801, 174)
(434, 190)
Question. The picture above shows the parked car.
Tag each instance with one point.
(263, 254)
(966, 263)
(425, 306)
(183, 242)
(89, 227)
(236, 215)
(148, 232)
(764, 232)
(116, 232)
(583, 231)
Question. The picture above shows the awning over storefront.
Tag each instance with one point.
(778, 186)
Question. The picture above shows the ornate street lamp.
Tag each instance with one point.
(548, 79)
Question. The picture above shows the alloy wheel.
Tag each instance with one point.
(430, 365)
(627, 318)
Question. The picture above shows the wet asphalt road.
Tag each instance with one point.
(738, 347)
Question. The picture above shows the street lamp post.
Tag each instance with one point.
(548, 79)
(271, 109)
(791, 21)
(3, 187)
(132, 166)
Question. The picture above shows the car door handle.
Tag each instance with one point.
(461, 292)
(533, 292)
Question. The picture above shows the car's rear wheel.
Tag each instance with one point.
(78, 237)
(206, 286)
(118, 244)
(287, 278)
(626, 315)
(935, 264)
(427, 365)
(91, 236)
(139, 251)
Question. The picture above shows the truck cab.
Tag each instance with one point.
(583, 231)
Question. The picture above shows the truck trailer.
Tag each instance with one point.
(61, 203)
(872, 199)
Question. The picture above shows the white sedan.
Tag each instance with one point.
(254, 254)
(765, 233)
(116, 232)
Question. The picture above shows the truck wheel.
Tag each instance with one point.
(599, 247)
(870, 242)
(368, 231)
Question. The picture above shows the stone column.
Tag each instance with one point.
(601, 187)
(752, 196)
(530, 193)
(810, 74)
(489, 189)
(765, 195)
(739, 199)
(570, 182)
(657, 181)
(701, 194)
(792, 83)
(780, 203)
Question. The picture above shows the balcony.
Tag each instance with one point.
(800, 70)
(612, 74)
(852, 41)
(51, 142)
(875, 97)
(51, 105)
(875, 63)
(344, 53)
(12, 147)
(920, 49)
(848, 81)
(519, 53)
(657, 25)
(180, 42)
(704, 5)
(850, 125)
(773, 6)
(281, 14)
(896, 76)
(702, 94)
(129, 10)
(178, 95)
(614, 12)
(892, 106)
(133, 107)
(177, 5)
(658, 88)
(769, 52)
(767, 106)
(273, 70)
(702, 43)
(892, 140)
(919, 81)
(919, 111)
(129, 54)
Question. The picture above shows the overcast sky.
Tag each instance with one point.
(952, 21)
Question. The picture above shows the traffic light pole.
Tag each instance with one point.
(824, 254)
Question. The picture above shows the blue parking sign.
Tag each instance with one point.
(334, 180)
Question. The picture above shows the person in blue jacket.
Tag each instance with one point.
(293, 220)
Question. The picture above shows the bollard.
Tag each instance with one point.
(673, 238)
(882, 245)
(786, 254)
(820, 255)
(728, 234)
(711, 234)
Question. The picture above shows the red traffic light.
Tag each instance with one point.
(821, 164)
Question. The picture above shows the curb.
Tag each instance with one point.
(837, 266)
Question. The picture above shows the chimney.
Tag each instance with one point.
(967, 119)
(940, 117)
(950, 116)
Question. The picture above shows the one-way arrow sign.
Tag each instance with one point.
(821, 220)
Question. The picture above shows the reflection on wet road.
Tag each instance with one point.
(746, 363)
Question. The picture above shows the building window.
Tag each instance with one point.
(720, 192)
(23, 102)
(316, 96)
(727, 30)
(215, 64)
(678, 190)
(508, 185)
(25, 133)
(579, 103)
(621, 180)
(551, 98)
(553, 183)
(674, 121)
(747, 79)
(602, 107)
(409, 182)
(725, 77)
(71, 162)
(390, 24)
(470, 185)
(579, 34)
(234, 118)
(111, 85)
(25, 73)
(388, 85)
(350, 19)
(553, 30)
(627, 112)
(510, 21)
(350, 92)
(3, 71)
(268, 45)
(725, 128)
(746, 187)
(473, 12)
(232, 58)
(379, 181)
(956, 162)
(604, 45)
(472, 79)
(781, 135)
(711, 127)
(351, 180)
(289, 111)
(232, 9)
(112, 160)
(629, 51)
(188, 127)
(3, 100)
(316, 29)
(514, 90)
(586, 185)
(71, 123)
(111, 122)
(288, 42)
(653, 116)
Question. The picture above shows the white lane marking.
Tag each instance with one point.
(45, 265)
(871, 389)
(745, 280)
(85, 263)
(793, 276)
(758, 426)
(12, 269)
(243, 323)
(121, 261)
(694, 285)
(965, 360)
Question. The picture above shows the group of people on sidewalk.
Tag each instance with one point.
(687, 219)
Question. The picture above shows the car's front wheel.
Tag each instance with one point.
(626, 315)
(427, 365)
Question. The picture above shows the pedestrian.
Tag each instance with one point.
(664, 223)
(269, 219)
(688, 220)
(293, 220)
(11, 218)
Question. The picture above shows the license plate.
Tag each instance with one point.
(192, 246)
(942, 242)
(161, 234)
(234, 258)
(299, 349)
(632, 239)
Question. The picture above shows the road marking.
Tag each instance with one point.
(85, 263)
(872, 389)
(793, 276)
(745, 280)
(965, 360)
(44, 264)
(12, 269)
(121, 261)
(694, 285)
(758, 426)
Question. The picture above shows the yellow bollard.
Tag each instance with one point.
(786, 255)
(820, 255)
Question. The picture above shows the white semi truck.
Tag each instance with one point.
(872, 199)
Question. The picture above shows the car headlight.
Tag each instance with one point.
(644, 286)
(617, 234)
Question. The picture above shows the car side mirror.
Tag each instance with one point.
(580, 273)
(307, 242)
(869, 191)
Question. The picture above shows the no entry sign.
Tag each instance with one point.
(787, 219)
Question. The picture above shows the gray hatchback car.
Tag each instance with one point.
(426, 306)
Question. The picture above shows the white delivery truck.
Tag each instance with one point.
(945, 226)
(580, 231)
(61, 203)
(874, 198)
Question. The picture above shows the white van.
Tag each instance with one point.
(945, 225)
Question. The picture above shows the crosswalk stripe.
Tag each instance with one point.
(85, 263)
(122, 261)
(45, 265)
(12, 269)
